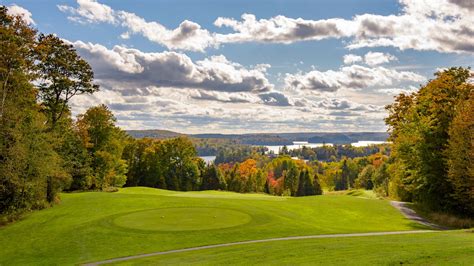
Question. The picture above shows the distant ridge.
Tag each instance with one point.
(270, 138)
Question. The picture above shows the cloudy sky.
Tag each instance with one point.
(257, 66)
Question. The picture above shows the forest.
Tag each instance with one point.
(44, 150)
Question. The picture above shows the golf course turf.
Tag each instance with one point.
(95, 226)
(180, 219)
(437, 248)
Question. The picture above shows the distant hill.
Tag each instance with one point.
(154, 134)
(270, 138)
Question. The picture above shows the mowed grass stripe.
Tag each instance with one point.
(82, 227)
(440, 248)
(145, 256)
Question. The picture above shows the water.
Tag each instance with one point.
(363, 143)
(300, 144)
(208, 159)
(296, 145)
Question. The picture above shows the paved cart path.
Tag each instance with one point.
(412, 215)
(256, 241)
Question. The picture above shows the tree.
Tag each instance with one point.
(419, 129)
(76, 160)
(364, 179)
(343, 182)
(460, 156)
(301, 184)
(105, 143)
(62, 75)
(212, 178)
(291, 180)
(30, 170)
(284, 150)
(380, 179)
(317, 186)
(17, 50)
(178, 166)
(260, 181)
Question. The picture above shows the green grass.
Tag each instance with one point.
(180, 219)
(89, 226)
(439, 248)
(361, 193)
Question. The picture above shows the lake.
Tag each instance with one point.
(208, 159)
(300, 144)
(363, 143)
(296, 145)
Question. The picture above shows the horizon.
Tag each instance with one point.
(243, 67)
(258, 132)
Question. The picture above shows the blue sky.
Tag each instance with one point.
(257, 66)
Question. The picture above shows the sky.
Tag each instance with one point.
(256, 66)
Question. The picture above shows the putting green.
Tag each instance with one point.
(182, 219)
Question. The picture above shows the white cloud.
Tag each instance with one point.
(15, 10)
(439, 25)
(351, 59)
(279, 29)
(169, 90)
(349, 77)
(396, 91)
(376, 58)
(126, 67)
(187, 36)
(89, 11)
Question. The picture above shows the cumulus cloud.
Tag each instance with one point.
(89, 11)
(351, 59)
(226, 97)
(279, 29)
(439, 25)
(350, 77)
(376, 58)
(121, 66)
(274, 98)
(169, 90)
(423, 25)
(396, 91)
(15, 10)
(187, 36)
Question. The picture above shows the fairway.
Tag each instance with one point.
(95, 226)
(438, 248)
(180, 219)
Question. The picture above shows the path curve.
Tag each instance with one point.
(412, 215)
(256, 241)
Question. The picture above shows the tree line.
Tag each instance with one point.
(336, 152)
(432, 131)
(172, 164)
(42, 149)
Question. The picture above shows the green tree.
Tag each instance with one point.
(62, 75)
(419, 129)
(105, 143)
(291, 180)
(380, 179)
(364, 179)
(30, 170)
(212, 178)
(180, 170)
(317, 185)
(460, 156)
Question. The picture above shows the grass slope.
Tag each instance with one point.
(439, 248)
(86, 226)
